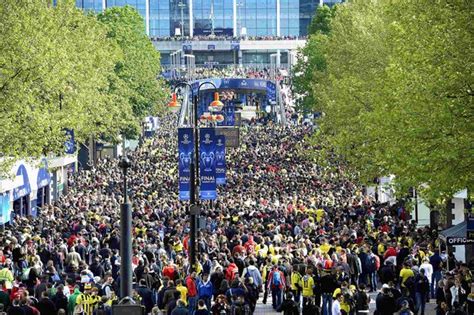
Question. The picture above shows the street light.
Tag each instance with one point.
(125, 236)
(194, 209)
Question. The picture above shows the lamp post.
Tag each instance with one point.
(194, 209)
(125, 236)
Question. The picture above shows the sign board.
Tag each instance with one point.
(232, 136)
(459, 241)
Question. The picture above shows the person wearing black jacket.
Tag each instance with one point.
(387, 273)
(328, 285)
(146, 294)
(59, 299)
(288, 306)
(385, 303)
(45, 305)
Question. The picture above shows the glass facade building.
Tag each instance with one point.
(165, 18)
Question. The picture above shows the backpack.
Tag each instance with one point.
(25, 273)
(293, 308)
(160, 298)
(102, 291)
(371, 264)
(276, 278)
(239, 310)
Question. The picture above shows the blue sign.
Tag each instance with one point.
(232, 83)
(25, 188)
(207, 164)
(185, 156)
(235, 45)
(229, 114)
(44, 178)
(271, 92)
(211, 47)
(70, 143)
(220, 160)
(4, 208)
(187, 47)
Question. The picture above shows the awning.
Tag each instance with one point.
(456, 235)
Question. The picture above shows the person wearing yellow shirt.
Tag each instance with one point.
(405, 274)
(182, 290)
(307, 286)
(295, 283)
(346, 293)
(325, 247)
(320, 213)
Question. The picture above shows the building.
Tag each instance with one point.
(222, 32)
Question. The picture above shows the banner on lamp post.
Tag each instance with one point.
(185, 156)
(207, 164)
(220, 160)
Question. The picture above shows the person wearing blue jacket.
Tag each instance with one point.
(205, 290)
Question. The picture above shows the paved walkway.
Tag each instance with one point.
(267, 308)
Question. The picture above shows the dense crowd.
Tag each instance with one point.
(300, 236)
(226, 37)
(247, 72)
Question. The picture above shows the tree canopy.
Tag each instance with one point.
(311, 59)
(397, 94)
(61, 69)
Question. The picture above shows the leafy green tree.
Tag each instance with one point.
(321, 22)
(311, 59)
(140, 66)
(54, 68)
(397, 92)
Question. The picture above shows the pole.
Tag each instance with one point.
(181, 4)
(125, 237)
(194, 208)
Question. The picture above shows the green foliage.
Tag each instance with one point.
(140, 65)
(61, 68)
(397, 92)
(311, 60)
(321, 22)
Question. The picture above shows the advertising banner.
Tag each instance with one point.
(207, 164)
(220, 160)
(185, 156)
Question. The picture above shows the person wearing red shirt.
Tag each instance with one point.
(192, 291)
(169, 271)
(391, 251)
(250, 245)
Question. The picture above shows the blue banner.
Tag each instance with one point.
(44, 178)
(220, 160)
(207, 164)
(271, 92)
(70, 143)
(229, 114)
(185, 156)
(25, 187)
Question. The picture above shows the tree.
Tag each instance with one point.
(311, 59)
(55, 70)
(140, 67)
(321, 22)
(397, 95)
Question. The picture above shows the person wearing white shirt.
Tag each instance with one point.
(428, 268)
(336, 305)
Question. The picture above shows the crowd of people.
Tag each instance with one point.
(226, 37)
(246, 72)
(284, 231)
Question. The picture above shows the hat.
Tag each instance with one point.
(87, 286)
(385, 286)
